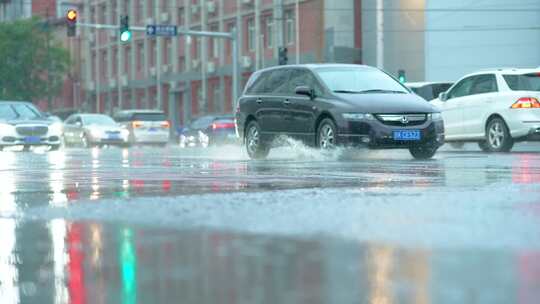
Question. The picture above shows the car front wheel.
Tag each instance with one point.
(327, 134)
(255, 147)
(498, 138)
(425, 151)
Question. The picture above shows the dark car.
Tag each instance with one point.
(333, 104)
(22, 124)
(429, 90)
(209, 130)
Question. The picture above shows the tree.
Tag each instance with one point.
(31, 61)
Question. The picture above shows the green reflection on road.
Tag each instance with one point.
(128, 262)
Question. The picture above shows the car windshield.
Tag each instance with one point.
(101, 120)
(149, 117)
(18, 111)
(526, 82)
(359, 80)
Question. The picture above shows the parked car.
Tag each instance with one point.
(494, 108)
(335, 104)
(428, 90)
(22, 124)
(145, 126)
(90, 130)
(209, 130)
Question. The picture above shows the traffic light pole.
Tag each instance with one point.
(231, 36)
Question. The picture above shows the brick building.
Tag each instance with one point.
(188, 74)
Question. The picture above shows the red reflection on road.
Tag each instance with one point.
(523, 171)
(529, 277)
(77, 290)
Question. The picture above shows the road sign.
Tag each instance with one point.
(161, 30)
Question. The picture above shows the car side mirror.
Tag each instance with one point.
(306, 91)
(443, 96)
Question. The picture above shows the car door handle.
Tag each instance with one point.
(286, 102)
(259, 100)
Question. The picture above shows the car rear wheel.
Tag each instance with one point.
(425, 151)
(255, 147)
(483, 146)
(327, 134)
(85, 142)
(498, 138)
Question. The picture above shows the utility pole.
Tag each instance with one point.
(297, 31)
(48, 37)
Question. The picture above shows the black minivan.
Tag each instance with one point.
(326, 105)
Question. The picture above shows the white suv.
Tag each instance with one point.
(494, 108)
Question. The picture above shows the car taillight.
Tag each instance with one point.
(526, 103)
(218, 125)
(137, 124)
(165, 124)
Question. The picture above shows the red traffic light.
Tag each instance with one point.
(71, 15)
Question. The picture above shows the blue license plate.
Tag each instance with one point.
(407, 135)
(111, 136)
(152, 130)
(32, 140)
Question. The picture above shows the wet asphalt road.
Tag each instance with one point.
(149, 225)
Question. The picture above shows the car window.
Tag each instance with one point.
(257, 85)
(526, 82)
(70, 120)
(463, 88)
(97, 119)
(278, 82)
(359, 79)
(439, 88)
(26, 112)
(202, 122)
(303, 77)
(149, 117)
(484, 84)
(7, 112)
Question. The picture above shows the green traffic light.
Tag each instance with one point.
(125, 36)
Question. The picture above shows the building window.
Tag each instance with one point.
(181, 16)
(289, 27)
(251, 34)
(215, 42)
(269, 32)
(140, 56)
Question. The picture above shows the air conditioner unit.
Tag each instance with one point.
(211, 67)
(211, 7)
(164, 68)
(164, 17)
(195, 63)
(152, 71)
(112, 82)
(91, 86)
(194, 9)
(124, 81)
(246, 61)
(150, 20)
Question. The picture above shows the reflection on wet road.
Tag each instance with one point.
(169, 225)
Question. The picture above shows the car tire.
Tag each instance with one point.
(54, 147)
(326, 134)
(425, 151)
(84, 142)
(498, 138)
(255, 147)
(483, 146)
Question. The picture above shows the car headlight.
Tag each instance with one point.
(436, 116)
(124, 133)
(56, 128)
(96, 133)
(357, 116)
(6, 128)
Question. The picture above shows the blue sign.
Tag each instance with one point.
(161, 30)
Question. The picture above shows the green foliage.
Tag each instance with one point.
(25, 60)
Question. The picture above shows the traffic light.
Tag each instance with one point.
(125, 33)
(401, 76)
(282, 56)
(71, 20)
